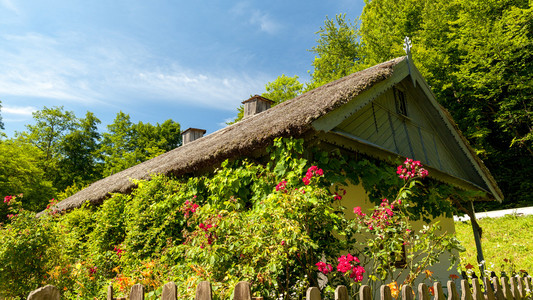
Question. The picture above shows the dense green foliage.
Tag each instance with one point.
(283, 88)
(127, 144)
(22, 172)
(474, 54)
(260, 222)
(338, 51)
(60, 153)
(506, 244)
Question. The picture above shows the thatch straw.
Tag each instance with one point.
(290, 118)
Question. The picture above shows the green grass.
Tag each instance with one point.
(509, 237)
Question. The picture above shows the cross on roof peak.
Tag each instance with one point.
(407, 46)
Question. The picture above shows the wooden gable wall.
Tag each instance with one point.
(419, 134)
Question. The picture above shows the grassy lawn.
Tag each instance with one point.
(509, 237)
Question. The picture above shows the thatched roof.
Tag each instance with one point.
(290, 118)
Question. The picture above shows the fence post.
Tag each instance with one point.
(341, 293)
(169, 291)
(488, 289)
(365, 293)
(465, 290)
(204, 291)
(137, 292)
(48, 292)
(517, 287)
(423, 292)
(521, 287)
(437, 288)
(407, 292)
(477, 293)
(506, 289)
(498, 292)
(452, 291)
(528, 285)
(313, 293)
(110, 292)
(385, 292)
(242, 291)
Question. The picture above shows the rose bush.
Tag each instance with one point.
(277, 223)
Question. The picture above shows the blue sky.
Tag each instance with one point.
(189, 61)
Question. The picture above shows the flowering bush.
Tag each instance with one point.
(391, 246)
(280, 226)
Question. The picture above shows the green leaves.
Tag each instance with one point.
(283, 88)
(338, 52)
(237, 223)
(127, 144)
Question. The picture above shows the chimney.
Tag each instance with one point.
(255, 105)
(191, 134)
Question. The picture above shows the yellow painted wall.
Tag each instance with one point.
(356, 196)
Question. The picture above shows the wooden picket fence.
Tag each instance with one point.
(514, 288)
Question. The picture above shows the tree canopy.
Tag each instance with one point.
(283, 88)
(60, 153)
(475, 55)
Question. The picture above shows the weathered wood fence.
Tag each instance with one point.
(514, 288)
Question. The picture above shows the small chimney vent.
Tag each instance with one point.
(191, 134)
(255, 105)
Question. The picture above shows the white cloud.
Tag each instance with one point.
(35, 65)
(212, 90)
(111, 71)
(18, 110)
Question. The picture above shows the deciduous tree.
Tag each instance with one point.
(283, 88)
(79, 162)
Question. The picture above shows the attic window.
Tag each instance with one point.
(401, 103)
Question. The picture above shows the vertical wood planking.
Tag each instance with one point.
(437, 288)
(203, 291)
(385, 293)
(341, 293)
(465, 290)
(242, 291)
(48, 292)
(137, 292)
(170, 291)
(477, 292)
(365, 293)
(514, 288)
(407, 292)
(498, 292)
(423, 292)
(506, 289)
(109, 292)
(489, 293)
(527, 284)
(452, 291)
(518, 287)
(313, 293)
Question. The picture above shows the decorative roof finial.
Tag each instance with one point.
(407, 46)
(407, 49)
